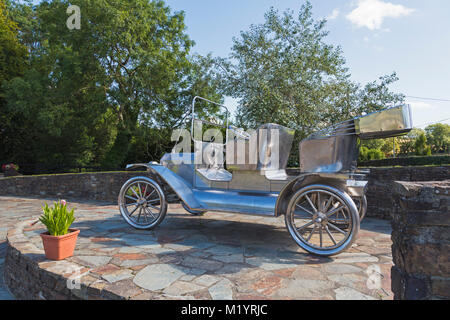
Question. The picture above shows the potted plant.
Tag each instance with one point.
(59, 241)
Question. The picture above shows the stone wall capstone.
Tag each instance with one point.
(381, 183)
(421, 240)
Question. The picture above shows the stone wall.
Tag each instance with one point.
(100, 186)
(29, 276)
(421, 240)
(27, 281)
(106, 186)
(381, 183)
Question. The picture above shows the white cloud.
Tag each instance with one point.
(371, 13)
(334, 15)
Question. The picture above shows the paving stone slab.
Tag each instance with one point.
(92, 261)
(206, 280)
(270, 263)
(158, 276)
(341, 268)
(136, 263)
(222, 290)
(233, 258)
(305, 288)
(180, 288)
(346, 293)
(160, 251)
(349, 257)
(118, 276)
(220, 250)
(194, 262)
(348, 279)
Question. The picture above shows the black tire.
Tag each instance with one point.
(146, 201)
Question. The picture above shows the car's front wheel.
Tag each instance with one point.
(142, 203)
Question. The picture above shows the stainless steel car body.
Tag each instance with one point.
(327, 157)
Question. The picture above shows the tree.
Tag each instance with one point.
(407, 145)
(92, 95)
(389, 145)
(13, 54)
(283, 71)
(438, 137)
(13, 62)
(373, 144)
(375, 154)
(421, 147)
(153, 137)
(59, 104)
(367, 154)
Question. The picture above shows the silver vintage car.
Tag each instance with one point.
(323, 202)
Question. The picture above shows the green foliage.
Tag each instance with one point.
(373, 144)
(389, 145)
(435, 139)
(367, 154)
(407, 145)
(13, 62)
(438, 137)
(378, 149)
(420, 145)
(12, 52)
(58, 102)
(363, 154)
(375, 154)
(57, 219)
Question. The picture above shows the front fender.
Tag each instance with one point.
(180, 186)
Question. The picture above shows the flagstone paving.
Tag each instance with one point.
(217, 256)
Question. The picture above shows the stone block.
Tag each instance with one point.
(421, 240)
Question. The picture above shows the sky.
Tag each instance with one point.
(410, 37)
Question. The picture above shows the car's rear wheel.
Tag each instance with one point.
(322, 219)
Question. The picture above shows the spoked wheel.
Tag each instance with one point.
(142, 203)
(193, 212)
(322, 220)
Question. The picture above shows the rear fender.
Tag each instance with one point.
(338, 181)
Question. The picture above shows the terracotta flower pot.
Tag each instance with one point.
(60, 247)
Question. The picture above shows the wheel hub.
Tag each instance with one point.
(320, 219)
(142, 202)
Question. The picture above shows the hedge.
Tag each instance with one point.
(408, 161)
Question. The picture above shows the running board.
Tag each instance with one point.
(255, 203)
